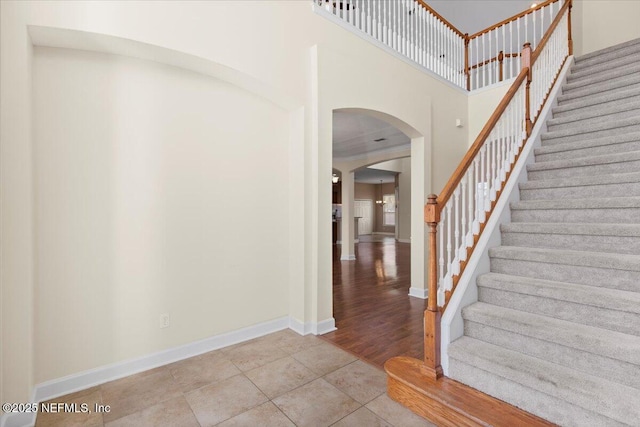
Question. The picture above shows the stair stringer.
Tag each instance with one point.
(466, 292)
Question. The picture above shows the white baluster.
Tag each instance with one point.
(441, 255)
(448, 278)
(455, 268)
(471, 203)
(476, 200)
(462, 253)
(487, 181)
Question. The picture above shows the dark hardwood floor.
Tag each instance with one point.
(375, 317)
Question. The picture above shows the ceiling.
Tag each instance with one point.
(471, 16)
(374, 176)
(355, 135)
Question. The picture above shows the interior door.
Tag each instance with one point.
(364, 209)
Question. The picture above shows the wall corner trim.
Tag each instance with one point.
(418, 293)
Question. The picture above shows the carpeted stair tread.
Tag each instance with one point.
(608, 112)
(619, 83)
(589, 339)
(587, 129)
(568, 167)
(590, 143)
(594, 296)
(600, 203)
(609, 53)
(581, 72)
(599, 78)
(588, 229)
(589, 180)
(612, 400)
(576, 103)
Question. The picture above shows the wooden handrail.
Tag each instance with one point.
(549, 32)
(513, 18)
(440, 17)
(453, 182)
(494, 59)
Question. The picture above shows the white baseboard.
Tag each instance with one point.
(418, 293)
(383, 233)
(404, 240)
(80, 381)
(347, 258)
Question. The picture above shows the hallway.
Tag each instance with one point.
(375, 317)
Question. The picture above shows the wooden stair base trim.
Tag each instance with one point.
(446, 402)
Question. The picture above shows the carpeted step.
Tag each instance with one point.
(615, 271)
(622, 210)
(604, 308)
(554, 392)
(597, 186)
(606, 55)
(602, 78)
(607, 112)
(594, 165)
(593, 147)
(571, 105)
(592, 131)
(602, 353)
(620, 83)
(578, 72)
(612, 238)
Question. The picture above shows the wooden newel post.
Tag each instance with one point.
(432, 313)
(570, 41)
(500, 61)
(526, 63)
(467, 71)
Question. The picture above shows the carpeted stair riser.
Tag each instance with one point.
(608, 55)
(612, 215)
(610, 90)
(594, 131)
(587, 149)
(615, 279)
(601, 78)
(603, 367)
(569, 103)
(600, 307)
(579, 120)
(595, 104)
(541, 404)
(578, 239)
(566, 386)
(583, 191)
(606, 67)
(597, 110)
(613, 167)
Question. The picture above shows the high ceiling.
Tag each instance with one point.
(356, 135)
(471, 16)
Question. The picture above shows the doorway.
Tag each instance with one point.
(364, 210)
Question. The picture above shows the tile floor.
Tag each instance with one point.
(281, 379)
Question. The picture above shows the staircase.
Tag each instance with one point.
(556, 330)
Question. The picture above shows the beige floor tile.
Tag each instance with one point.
(359, 380)
(137, 392)
(225, 399)
(395, 413)
(202, 370)
(172, 413)
(265, 415)
(255, 354)
(362, 417)
(281, 376)
(290, 341)
(324, 358)
(316, 404)
(77, 418)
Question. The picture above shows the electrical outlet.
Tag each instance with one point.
(165, 320)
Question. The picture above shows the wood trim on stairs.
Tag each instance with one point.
(447, 402)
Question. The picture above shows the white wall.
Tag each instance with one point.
(482, 103)
(152, 196)
(598, 24)
(404, 200)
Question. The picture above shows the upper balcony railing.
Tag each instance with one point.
(414, 30)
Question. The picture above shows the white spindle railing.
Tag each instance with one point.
(547, 64)
(494, 52)
(410, 28)
(464, 212)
